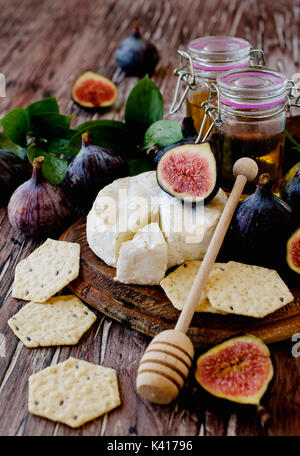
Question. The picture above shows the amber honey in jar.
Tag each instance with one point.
(209, 57)
(252, 113)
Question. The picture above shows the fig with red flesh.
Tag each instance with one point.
(239, 370)
(293, 251)
(92, 90)
(160, 151)
(188, 132)
(189, 171)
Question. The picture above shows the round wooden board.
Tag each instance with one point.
(148, 310)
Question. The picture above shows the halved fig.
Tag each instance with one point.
(239, 370)
(293, 251)
(93, 90)
(189, 171)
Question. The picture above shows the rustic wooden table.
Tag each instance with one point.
(44, 46)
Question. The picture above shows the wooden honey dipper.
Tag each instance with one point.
(165, 364)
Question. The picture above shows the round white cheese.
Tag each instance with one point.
(129, 204)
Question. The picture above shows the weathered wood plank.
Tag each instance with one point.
(44, 47)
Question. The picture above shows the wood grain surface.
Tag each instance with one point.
(44, 46)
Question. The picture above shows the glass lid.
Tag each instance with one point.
(252, 87)
(209, 50)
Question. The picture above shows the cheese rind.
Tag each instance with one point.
(144, 259)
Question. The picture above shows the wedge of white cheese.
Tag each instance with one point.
(129, 204)
(144, 259)
(119, 211)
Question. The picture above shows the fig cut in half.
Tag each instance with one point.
(189, 172)
(293, 251)
(92, 90)
(238, 370)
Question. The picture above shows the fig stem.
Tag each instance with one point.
(86, 138)
(136, 28)
(37, 169)
(263, 180)
(38, 161)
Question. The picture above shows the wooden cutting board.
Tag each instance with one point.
(148, 310)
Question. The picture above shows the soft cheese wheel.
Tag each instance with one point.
(131, 203)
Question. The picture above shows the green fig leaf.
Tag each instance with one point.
(16, 125)
(104, 133)
(58, 146)
(53, 168)
(7, 144)
(46, 105)
(82, 128)
(144, 106)
(163, 133)
(51, 125)
(138, 166)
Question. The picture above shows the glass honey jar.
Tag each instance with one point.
(250, 118)
(207, 58)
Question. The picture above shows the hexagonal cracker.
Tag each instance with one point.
(73, 392)
(46, 271)
(61, 320)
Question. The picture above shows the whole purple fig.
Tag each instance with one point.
(137, 56)
(36, 208)
(92, 169)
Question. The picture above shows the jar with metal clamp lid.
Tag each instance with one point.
(250, 118)
(206, 59)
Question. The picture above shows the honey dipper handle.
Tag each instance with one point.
(245, 170)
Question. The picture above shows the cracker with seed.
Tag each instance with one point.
(178, 283)
(46, 271)
(62, 320)
(73, 392)
(247, 290)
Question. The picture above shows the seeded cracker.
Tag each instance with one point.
(46, 271)
(247, 290)
(73, 392)
(61, 320)
(179, 282)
